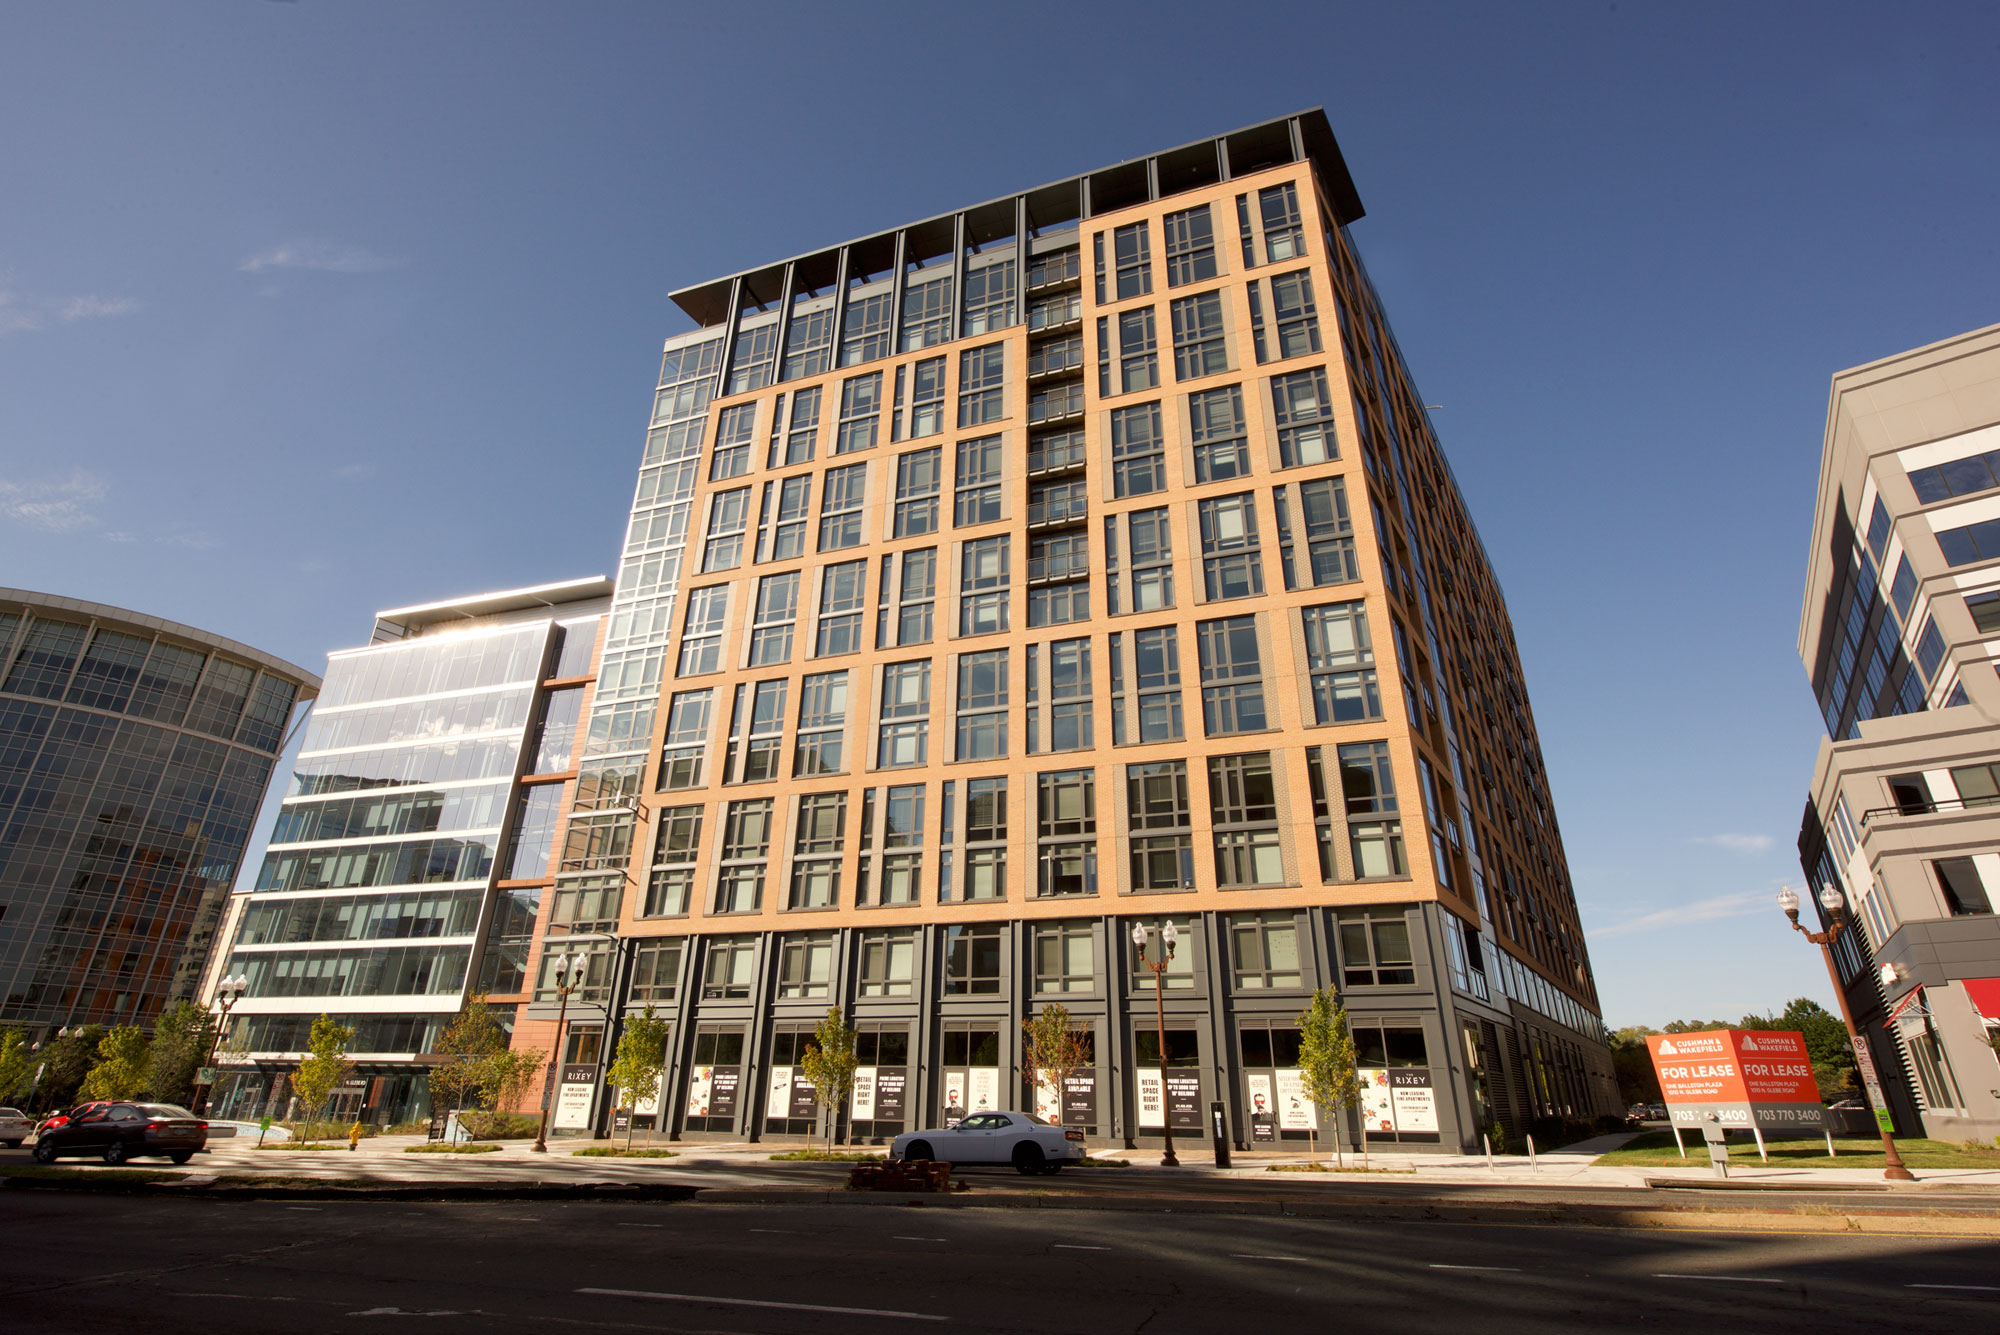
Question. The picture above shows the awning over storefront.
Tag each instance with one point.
(1985, 994)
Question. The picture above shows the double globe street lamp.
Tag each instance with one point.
(227, 993)
(1159, 968)
(568, 973)
(1835, 903)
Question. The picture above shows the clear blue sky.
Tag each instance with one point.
(308, 309)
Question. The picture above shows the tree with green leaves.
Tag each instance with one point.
(1327, 1061)
(320, 1074)
(509, 1073)
(1055, 1048)
(66, 1060)
(120, 1069)
(468, 1046)
(1632, 1061)
(17, 1063)
(642, 1058)
(182, 1038)
(828, 1065)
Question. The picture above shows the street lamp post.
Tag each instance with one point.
(1159, 968)
(1833, 902)
(227, 993)
(567, 972)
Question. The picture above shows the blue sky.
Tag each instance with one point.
(311, 309)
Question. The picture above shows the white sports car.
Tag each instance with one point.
(995, 1138)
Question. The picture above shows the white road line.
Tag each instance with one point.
(312, 1208)
(905, 1237)
(1253, 1256)
(753, 1302)
(642, 1225)
(774, 1230)
(1972, 1288)
(1510, 1269)
(1720, 1279)
(1077, 1247)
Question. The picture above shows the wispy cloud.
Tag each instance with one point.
(354, 470)
(1735, 843)
(52, 505)
(325, 256)
(1682, 915)
(25, 314)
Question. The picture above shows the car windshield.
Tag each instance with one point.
(166, 1110)
(10, 1112)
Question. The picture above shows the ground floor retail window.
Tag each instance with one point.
(878, 1105)
(1079, 1102)
(714, 1081)
(791, 1105)
(1398, 1100)
(1933, 1067)
(1175, 1096)
(970, 1080)
(1274, 1106)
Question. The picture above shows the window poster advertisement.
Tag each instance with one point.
(701, 1090)
(1184, 1100)
(1080, 1098)
(778, 1097)
(1413, 1100)
(1152, 1098)
(1263, 1115)
(984, 1089)
(1048, 1107)
(573, 1097)
(1295, 1110)
(861, 1103)
(1378, 1105)
(954, 1098)
(890, 1085)
(805, 1099)
(646, 1104)
(723, 1103)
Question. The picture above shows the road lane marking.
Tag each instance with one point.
(755, 1302)
(906, 1237)
(642, 1225)
(774, 1230)
(1973, 1288)
(1510, 1269)
(1720, 1279)
(1253, 1256)
(1077, 1247)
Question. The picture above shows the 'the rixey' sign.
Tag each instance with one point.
(1741, 1077)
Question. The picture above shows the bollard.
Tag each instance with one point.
(1533, 1166)
(1218, 1130)
(1489, 1151)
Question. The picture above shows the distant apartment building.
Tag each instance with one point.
(1078, 560)
(403, 873)
(1900, 633)
(134, 755)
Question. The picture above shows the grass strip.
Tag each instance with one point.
(451, 1149)
(829, 1156)
(1655, 1149)
(614, 1152)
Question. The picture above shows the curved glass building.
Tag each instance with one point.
(134, 754)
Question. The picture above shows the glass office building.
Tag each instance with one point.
(134, 754)
(1075, 560)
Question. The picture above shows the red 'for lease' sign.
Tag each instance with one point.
(1737, 1074)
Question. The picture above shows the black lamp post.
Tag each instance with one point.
(1159, 968)
(568, 974)
(227, 993)
(1833, 902)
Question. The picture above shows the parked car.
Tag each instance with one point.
(1641, 1113)
(14, 1127)
(995, 1138)
(62, 1116)
(121, 1131)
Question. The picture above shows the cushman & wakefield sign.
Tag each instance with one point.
(1741, 1077)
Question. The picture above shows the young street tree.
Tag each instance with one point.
(120, 1072)
(321, 1073)
(1055, 1049)
(509, 1073)
(1326, 1060)
(642, 1056)
(17, 1063)
(468, 1047)
(828, 1065)
(181, 1041)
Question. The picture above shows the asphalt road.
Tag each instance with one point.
(70, 1263)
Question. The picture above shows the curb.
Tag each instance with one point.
(363, 1191)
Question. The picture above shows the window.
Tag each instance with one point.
(1329, 534)
(927, 398)
(1064, 308)
(926, 314)
(701, 631)
(978, 496)
(1138, 452)
(687, 740)
(756, 356)
(1368, 789)
(1930, 650)
(1064, 957)
(842, 494)
(1055, 355)
(1341, 662)
(1985, 609)
(982, 385)
(675, 847)
(1266, 946)
(728, 516)
(888, 963)
(1179, 974)
(906, 707)
(1161, 824)
(1879, 526)
(587, 903)
(1064, 557)
(989, 298)
(1232, 690)
(822, 725)
(985, 840)
(1132, 257)
(799, 441)
(656, 971)
(842, 592)
(1243, 804)
(1058, 503)
(902, 828)
(971, 960)
(733, 429)
(1978, 785)
(781, 528)
(1375, 948)
(1199, 348)
(1190, 246)
(1231, 564)
(1284, 235)
(746, 848)
(816, 848)
(810, 340)
(1215, 419)
(763, 708)
(1964, 892)
(1055, 403)
(1958, 477)
(1151, 710)
(777, 612)
(1066, 808)
(805, 965)
(866, 336)
(732, 968)
(1903, 589)
(982, 580)
(1150, 581)
(1302, 407)
(1138, 351)
(917, 478)
(1296, 317)
(906, 619)
(982, 705)
(860, 413)
(1069, 695)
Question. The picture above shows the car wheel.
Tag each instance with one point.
(45, 1151)
(919, 1151)
(1029, 1160)
(115, 1152)
(181, 1156)
(13, 1144)
(1051, 1168)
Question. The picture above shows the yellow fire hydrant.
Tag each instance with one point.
(354, 1135)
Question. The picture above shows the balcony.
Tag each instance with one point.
(1071, 506)
(1061, 453)
(1915, 807)
(1058, 403)
(1059, 357)
(1049, 272)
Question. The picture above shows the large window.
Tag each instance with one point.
(817, 844)
(781, 527)
(1138, 452)
(1161, 823)
(971, 960)
(1302, 406)
(1340, 659)
(1266, 947)
(1375, 948)
(1959, 881)
(1145, 583)
(985, 839)
(1066, 826)
(1295, 316)
(989, 298)
(777, 612)
(842, 591)
(728, 517)
(797, 443)
(982, 381)
(927, 314)
(917, 477)
(687, 739)
(888, 962)
(1368, 789)
(734, 428)
(906, 706)
(906, 618)
(822, 725)
(1138, 354)
(1064, 957)
(1284, 232)
(983, 579)
(1146, 695)
(1216, 430)
(979, 488)
(1232, 682)
(866, 336)
(1956, 477)
(860, 413)
(843, 492)
(1132, 263)
(927, 398)
(1243, 804)
(701, 632)
(982, 706)
(757, 726)
(1328, 533)
(743, 855)
(1199, 348)
(1231, 564)
(1190, 246)
(1069, 695)
(731, 972)
(1058, 579)
(670, 885)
